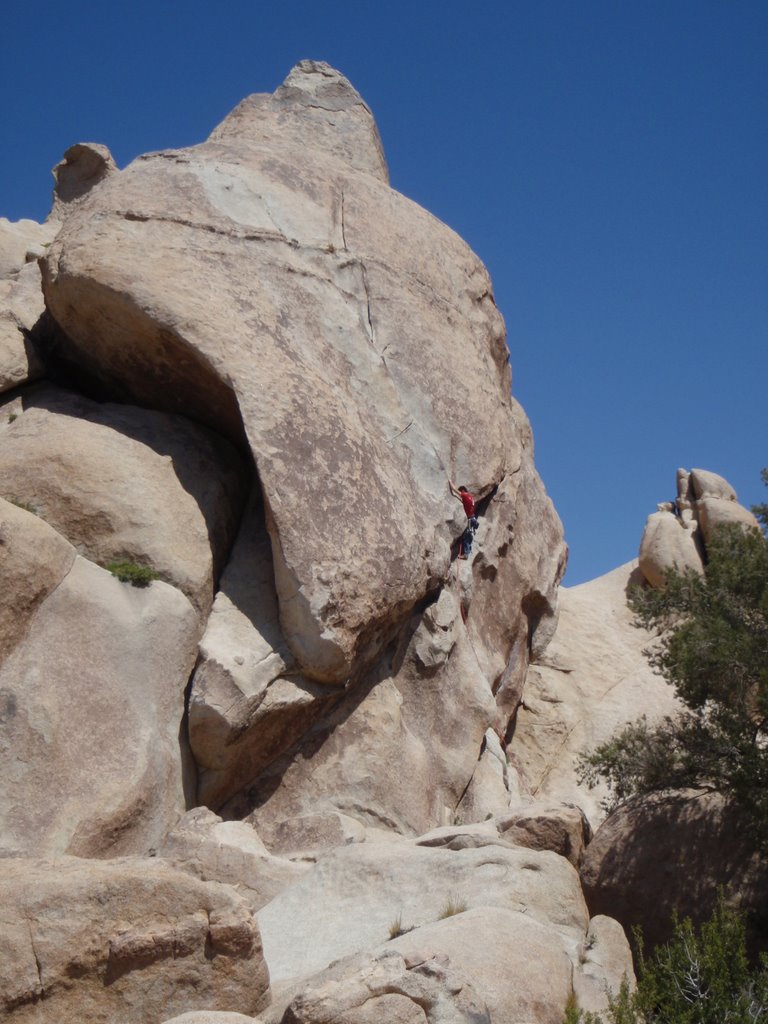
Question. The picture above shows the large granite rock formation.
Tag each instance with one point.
(282, 361)
(675, 537)
(123, 940)
(271, 284)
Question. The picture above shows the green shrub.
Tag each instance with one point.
(26, 505)
(701, 976)
(130, 572)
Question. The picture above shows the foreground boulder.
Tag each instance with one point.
(93, 700)
(670, 853)
(127, 940)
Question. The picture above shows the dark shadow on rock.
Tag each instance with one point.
(670, 853)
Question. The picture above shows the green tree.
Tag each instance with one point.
(698, 977)
(712, 646)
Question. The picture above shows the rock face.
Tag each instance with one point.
(127, 484)
(21, 298)
(591, 680)
(261, 367)
(353, 895)
(127, 940)
(270, 284)
(508, 919)
(93, 700)
(675, 537)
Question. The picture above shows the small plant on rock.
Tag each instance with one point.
(27, 506)
(130, 572)
(453, 906)
(397, 928)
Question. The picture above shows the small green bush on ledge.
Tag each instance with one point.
(130, 572)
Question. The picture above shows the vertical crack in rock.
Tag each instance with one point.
(471, 777)
(38, 965)
(343, 226)
(371, 333)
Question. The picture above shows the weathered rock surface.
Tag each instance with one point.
(509, 919)
(230, 852)
(671, 852)
(21, 306)
(124, 940)
(676, 536)
(668, 543)
(84, 166)
(561, 828)
(592, 679)
(93, 699)
(354, 685)
(386, 987)
(34, 559)
(127, 484)
(248, 701)
(21, 238)
(210, 1017)
(286, 291)
(518, 967)
(352, 897)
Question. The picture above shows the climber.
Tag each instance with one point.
(466, 499)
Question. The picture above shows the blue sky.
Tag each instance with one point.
(607, 160)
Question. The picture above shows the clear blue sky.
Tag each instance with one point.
(607, 160)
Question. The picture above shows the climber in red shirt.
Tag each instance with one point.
(468, 502)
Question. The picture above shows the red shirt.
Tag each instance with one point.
(468, 502)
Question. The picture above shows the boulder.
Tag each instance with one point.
(385, 987)
(270, 283)
(713, 512)
(519, 967)
(670, 853)
(34, 560)
(678, 541)
(123, 940)
(20, 238)
(356, 896)
(93, 701)
(705, 484)
(562, 828)
(21, 306)
(605, 962)
(592, 680)
(230, 852)
(127, 484)
(83, 166)
(668, 544)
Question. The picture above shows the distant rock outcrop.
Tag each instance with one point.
(592, 679)
(675, 537)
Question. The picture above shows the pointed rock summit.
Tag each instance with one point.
(316, 109)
